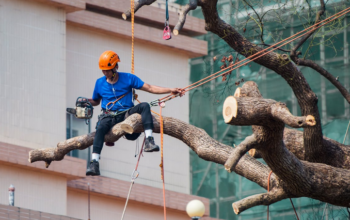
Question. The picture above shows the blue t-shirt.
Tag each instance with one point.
(109, 93)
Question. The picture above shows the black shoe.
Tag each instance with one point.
(93, 169)
(150, 146)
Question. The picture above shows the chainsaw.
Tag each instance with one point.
(83, 109)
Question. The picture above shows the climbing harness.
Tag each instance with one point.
(113, 103)
(134, 176)
(167, 30)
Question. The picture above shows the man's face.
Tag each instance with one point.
(109, 73)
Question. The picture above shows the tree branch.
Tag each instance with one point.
(239, 151)
(258, 111)
(126, 15)
(300, 178)
(307, 99)
(182, 17)
(260, 21)
(326, 74)
(280, 111)
(259, 199)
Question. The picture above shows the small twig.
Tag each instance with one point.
(303, 40)
(260, 21)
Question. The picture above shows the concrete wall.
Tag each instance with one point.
(33, 190)
(32, 73)
(102, 207)
(154, 66)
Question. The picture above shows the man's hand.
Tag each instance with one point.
(94, 103)
(179, 91)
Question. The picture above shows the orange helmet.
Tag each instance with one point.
(108, 60)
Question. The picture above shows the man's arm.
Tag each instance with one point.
(94, 103)
(160, 90)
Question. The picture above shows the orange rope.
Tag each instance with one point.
(135, 97)
(268, 182)
(132, 35)
(255, 56)
(268, 190)
(109, 103)
(161, 156)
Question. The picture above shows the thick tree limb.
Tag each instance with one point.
(76, 143)
(197, 139)
(259, 199)
(239, 151)
(182, 17)
(307, 99)
(126, 15)
(300, 178)
(338, 154)
(258, 111)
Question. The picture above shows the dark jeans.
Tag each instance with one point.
(107, 123)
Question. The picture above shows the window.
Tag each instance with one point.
(76, 127)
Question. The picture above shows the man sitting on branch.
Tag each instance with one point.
(115, 89)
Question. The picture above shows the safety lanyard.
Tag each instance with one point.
(166, 12)
(167, 30)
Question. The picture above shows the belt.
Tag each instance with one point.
(105, 111)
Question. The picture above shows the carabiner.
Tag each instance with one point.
(134, 176)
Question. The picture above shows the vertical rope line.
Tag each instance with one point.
(127, 199)
(295, 211)
(161, 160)
(268, 190)
(133, 178)
(88, 201)
(346, 133)
(132, 35)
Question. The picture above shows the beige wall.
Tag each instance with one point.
(32, 73)
(102, 207)
(154, 66)
(33, 190)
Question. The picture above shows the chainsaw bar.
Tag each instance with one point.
(71, 111)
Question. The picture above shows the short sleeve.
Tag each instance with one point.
(136, 82)
(96, 95)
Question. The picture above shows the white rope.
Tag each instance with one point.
(127, 199)
(346, 134)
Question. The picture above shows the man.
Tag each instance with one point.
(118, 85)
